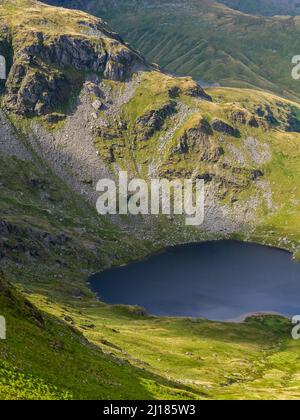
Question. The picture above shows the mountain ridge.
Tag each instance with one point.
(209, 41)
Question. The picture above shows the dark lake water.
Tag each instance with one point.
(215, 280)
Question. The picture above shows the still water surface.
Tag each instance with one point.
(215, 280)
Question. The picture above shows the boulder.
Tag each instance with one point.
(222, 127)
(198, 92)
(256, 173)
(97, 105)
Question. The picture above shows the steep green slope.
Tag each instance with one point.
(256, 359)
(40, 347)
(207, 40)
(127, 355)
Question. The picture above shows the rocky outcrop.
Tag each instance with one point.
(193, 137)
(268, 115)
(285, 117)
(115, 62)
(245, 118)
(198, 92)
(152, 121)
(206, 177)
(31, 91)
(256, 173)
(222, 127)
(44, 72)
(198, 140)
(293, 123)
(17, 242)
(174, 92)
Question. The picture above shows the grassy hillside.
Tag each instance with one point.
(39, 347)
(124, 114)
(119, 353)
(265, 7)
(207, 40)
(252, 360)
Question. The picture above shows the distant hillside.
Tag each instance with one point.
(207, 40)
(265, 7)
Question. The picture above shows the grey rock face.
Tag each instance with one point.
(33, 92)
(293, 124)
(194, 137)
(29, 241)
(153, 121)
(222, 127)
(198, 92)
(44, 73)
(199, 140)
(242, 117)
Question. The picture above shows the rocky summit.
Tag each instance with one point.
(49, 60)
